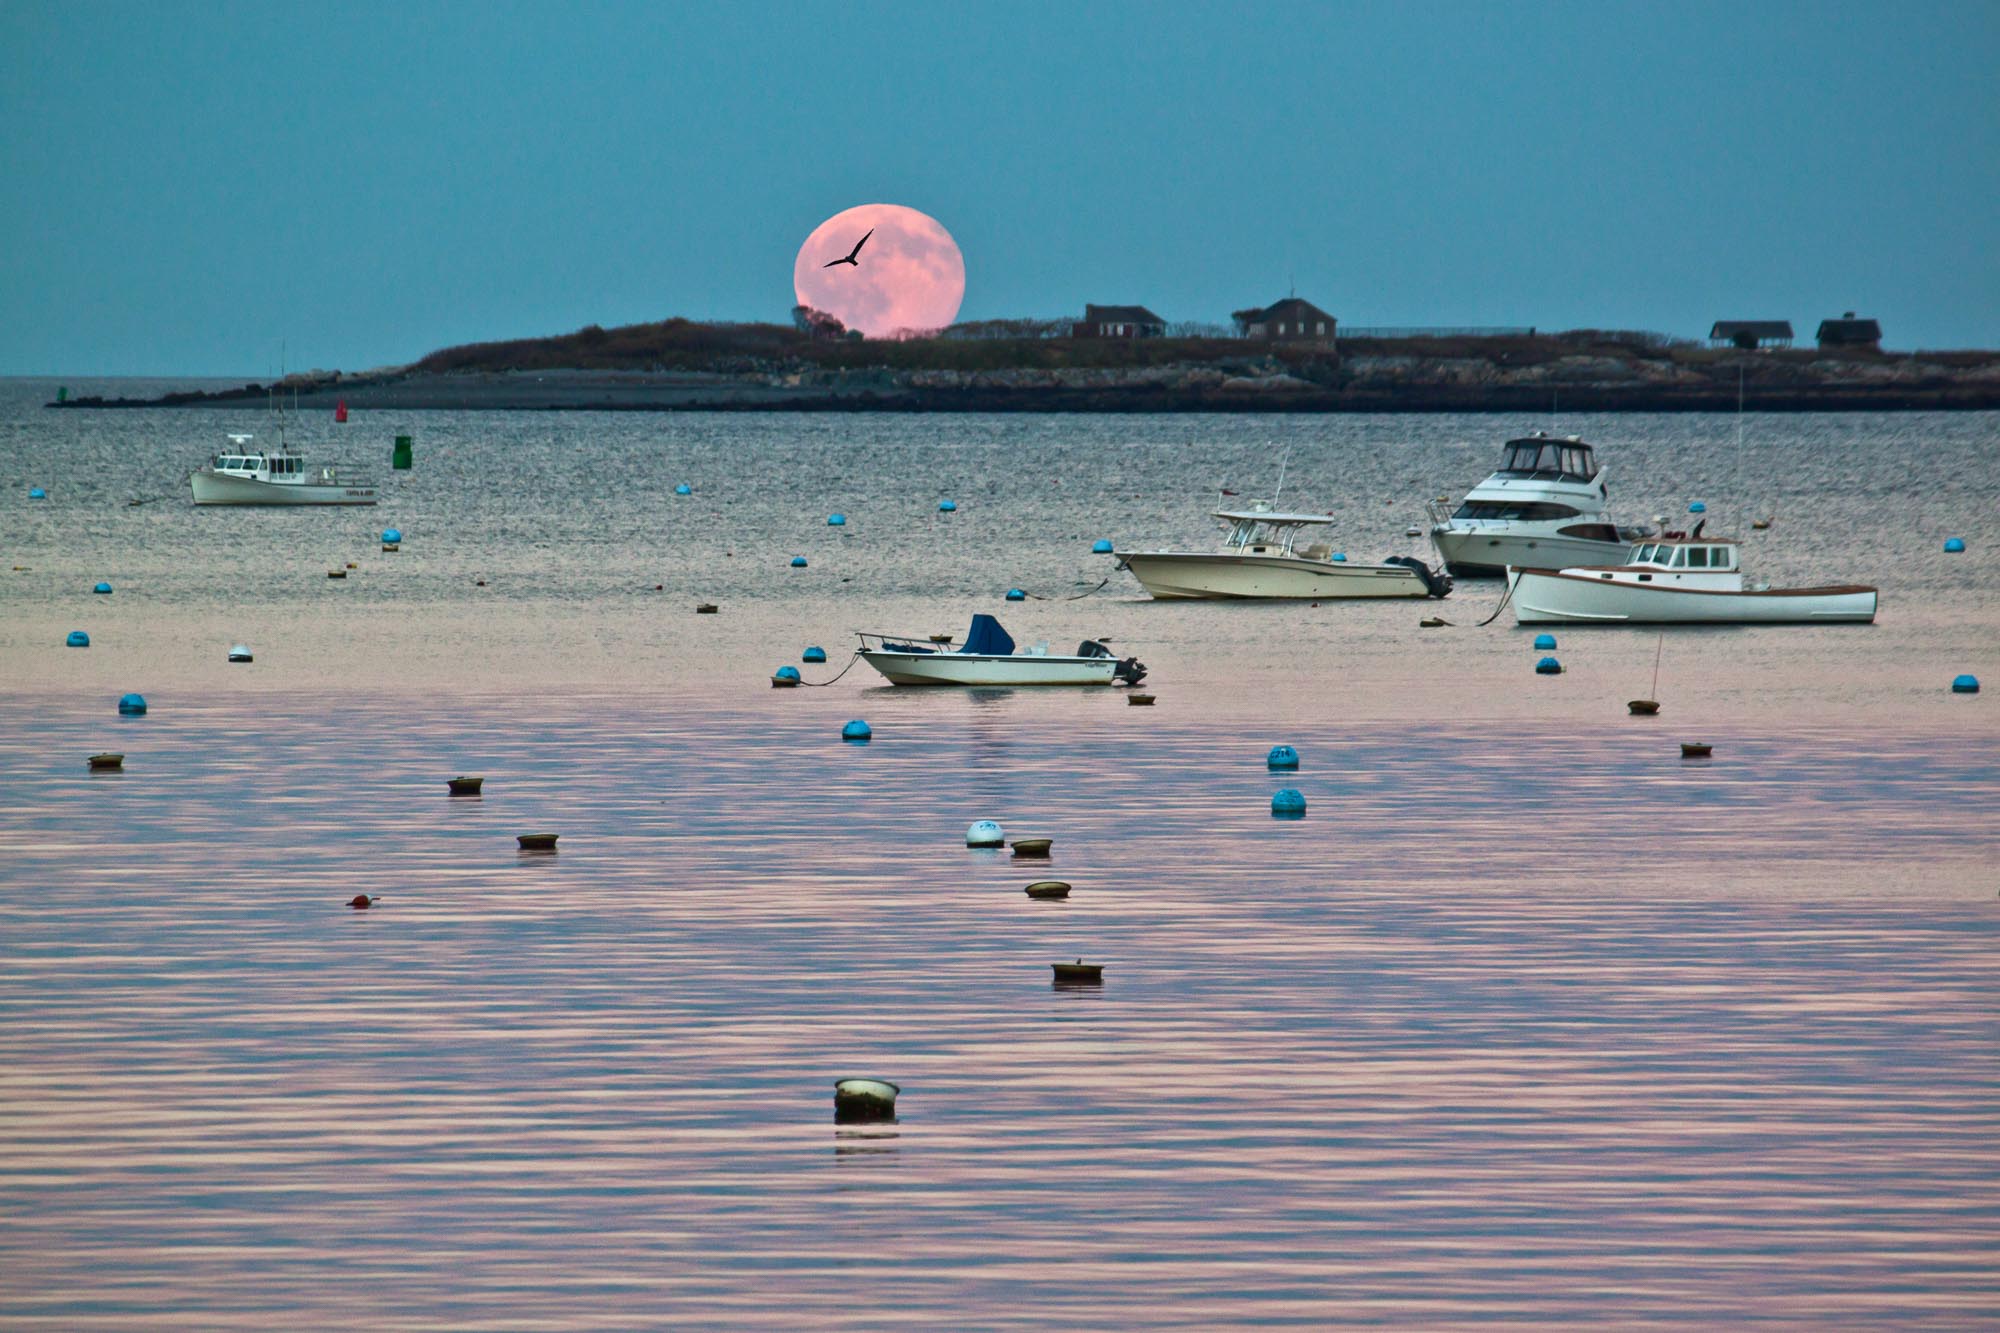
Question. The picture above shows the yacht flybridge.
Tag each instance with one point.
(1696, 580)
(1261, 557)
(244, 475)
(1543, 509)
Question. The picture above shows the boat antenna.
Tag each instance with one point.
(1282, 461)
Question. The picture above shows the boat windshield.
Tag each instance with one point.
(1538, 456)
(1250, 532)
(1524, 511)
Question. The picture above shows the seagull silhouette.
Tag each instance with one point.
(851, 253)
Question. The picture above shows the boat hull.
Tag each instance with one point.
(1175, 576)
(211, 488)
(1471, 553)
(1543, 598)
(979, 669)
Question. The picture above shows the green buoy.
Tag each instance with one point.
(402, 457)
(62, 394)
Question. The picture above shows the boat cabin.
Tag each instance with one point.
(1543, 457)
(279, 464)
(1262, 531)
(1681, 555)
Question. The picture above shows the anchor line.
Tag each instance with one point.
(843, 671)
(1504, 599)
(1073, 597)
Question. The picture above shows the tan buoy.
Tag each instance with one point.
(107, 761)
(537, 842)
(1139, 700)
(464, 786)
(705, 609)
(336, 573)
(1032, 848)
(1696, 749)
(1643, 707)
(1432, 622)
(1079, 973)
(1048, 888)
(361, 902)
(859, 1100)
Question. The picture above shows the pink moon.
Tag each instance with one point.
(910, 275)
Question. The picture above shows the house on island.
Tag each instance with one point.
(1847, 331)
(1290, 320)
(1119, 321)
(1750, 334)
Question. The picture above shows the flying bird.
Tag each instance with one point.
(851, 253)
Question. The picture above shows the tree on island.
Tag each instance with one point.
(817, 324)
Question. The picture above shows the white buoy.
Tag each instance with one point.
(985, 833)
(240, 653)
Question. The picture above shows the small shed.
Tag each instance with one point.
(1750, 333)
(1119, 321)
(1289, 320)
(1847, 331)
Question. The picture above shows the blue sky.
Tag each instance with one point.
(183, 188)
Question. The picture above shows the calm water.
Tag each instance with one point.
(1528, 1020)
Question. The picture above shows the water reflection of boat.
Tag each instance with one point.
(1261, 557)
(1542, 509)
(988, 657)
(1687, 581)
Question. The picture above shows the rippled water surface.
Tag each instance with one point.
(1528, 1020)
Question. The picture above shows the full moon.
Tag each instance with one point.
(910, 275)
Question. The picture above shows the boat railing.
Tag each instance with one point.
(933, 643)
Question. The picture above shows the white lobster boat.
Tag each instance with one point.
(277, 476)
(988, 657)
(1261, 557)
(1543, 509)
(1690, 581)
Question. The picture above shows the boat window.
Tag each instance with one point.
(1680, 557)
(1722, 558)
(1642, 555)
(1697, 557)
(1520, 511)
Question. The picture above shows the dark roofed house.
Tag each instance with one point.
(1289, 320)
(1847, 331)
(1119, 321)
(1749, 333)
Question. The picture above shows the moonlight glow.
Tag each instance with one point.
(910, 275)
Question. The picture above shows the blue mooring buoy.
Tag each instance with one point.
(985, 833)
(1545, 642)
(392, 534)
(1100, 547)
(836, 520)
(1548, 666)
(798, 562)
(947, 507)
(1288, 803)
(132, 705)
(790, 673)
(1340, 556)
(1282, 756)
(857, 730)
(1016, 595)
(77, 639)
(1965, 685)
(1697, 508)
(102, 587)
(683, 489)
(1954, 545)
(37, 493)
(814, 654)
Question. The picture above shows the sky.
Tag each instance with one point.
(186, 189)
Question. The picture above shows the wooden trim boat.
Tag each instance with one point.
(1693, 581)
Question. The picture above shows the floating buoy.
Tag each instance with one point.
(705, 609)
(813, 655)
(1139, 700)
(102, 587)
(392, 539)
(463, 785)
(361, 902)
(1643, 707)
(1078, 973)
(1548, 666)
(683, 489)
(1032, 849)
(1697, 508)
(1288, 803)
(784, 677)
(104, 762)
(947, 507)
(1545, 643)
(1954, 545)
(1696, 749)
(859, 1100)
(1100, 547)
(1282, 756)
(340, 412)
(479, 583)
(985, 833)
(37, 493)
(1340, 556)
(798, 562)
(1413, 531)
(857, 730)
(240, 653)
(1016, 595)
(403, 454)
(836, 520)
(77, 639)
(1760, 523)
(336, 573)
(132, 705)
(1965, 685)
(537, 842)
(1048, 888)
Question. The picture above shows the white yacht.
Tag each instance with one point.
(1261, 557)
(988, 657)
(1543, 509)
(246, 475)
(1693, 580)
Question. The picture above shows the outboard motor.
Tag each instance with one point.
(1436, 581)
(1130, 671)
